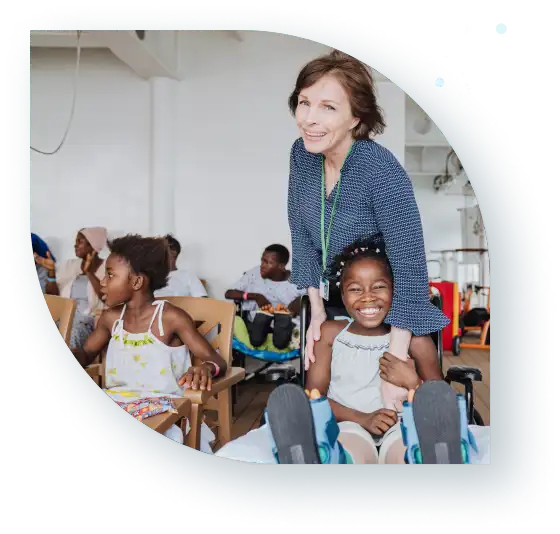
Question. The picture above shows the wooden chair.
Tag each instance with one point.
(208, 314)
(213, 314)
(160, 423)
(62, 311)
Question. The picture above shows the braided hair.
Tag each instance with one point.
(370, 248)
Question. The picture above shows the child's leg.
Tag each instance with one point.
(259, 328)
(282, 332)
(393, 396)
(392, 450)
(358, 443)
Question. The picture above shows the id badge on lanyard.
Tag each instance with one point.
(324, 288)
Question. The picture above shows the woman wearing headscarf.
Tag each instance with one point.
(80, 279)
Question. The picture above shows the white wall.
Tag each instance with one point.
(441, 219)
(234, 133)
(101, 175)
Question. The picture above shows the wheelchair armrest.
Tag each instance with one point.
(304, 320)
(462, 374)
(244, 314)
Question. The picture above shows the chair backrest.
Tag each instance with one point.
(211, 313)
(62, 311)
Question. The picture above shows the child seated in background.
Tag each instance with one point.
(148, 341)
(351, 360)
(180, 282)
(270, 298)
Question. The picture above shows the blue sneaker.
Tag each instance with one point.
(434, 426)
(302, 431)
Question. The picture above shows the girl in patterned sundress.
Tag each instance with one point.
(148, 342)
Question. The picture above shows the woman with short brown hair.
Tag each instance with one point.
(344, 186)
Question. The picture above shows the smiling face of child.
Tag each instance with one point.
(367, 291)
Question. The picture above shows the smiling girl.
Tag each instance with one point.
(352, 359)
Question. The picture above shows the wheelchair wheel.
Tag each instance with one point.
(456, 347)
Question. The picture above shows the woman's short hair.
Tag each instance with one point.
(357, 80)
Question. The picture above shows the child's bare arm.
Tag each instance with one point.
(186, 330)
(424, 353)
(319, 374)
(96, 341)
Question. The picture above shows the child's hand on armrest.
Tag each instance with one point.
(198, 377)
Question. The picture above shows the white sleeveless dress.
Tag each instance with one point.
(140, 365)
(355, 380)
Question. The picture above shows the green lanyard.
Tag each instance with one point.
(325, 242)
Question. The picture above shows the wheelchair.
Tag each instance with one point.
(269, 370)
(455, 374)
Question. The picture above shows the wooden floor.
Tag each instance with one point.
(252, 397)
(480, 359)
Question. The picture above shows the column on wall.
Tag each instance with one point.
(162, 158)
